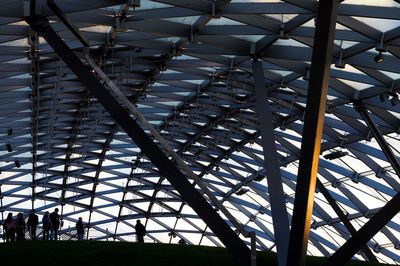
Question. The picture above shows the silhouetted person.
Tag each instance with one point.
(182, 241)
(46, 224)
(32, 223)
(9, 226)
(20, 227)
(79, 229)
(140, 231)
(4, 231)
(55, 224)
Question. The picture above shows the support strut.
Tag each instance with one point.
(275, 188)
(312, 131)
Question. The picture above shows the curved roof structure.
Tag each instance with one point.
(187, 67)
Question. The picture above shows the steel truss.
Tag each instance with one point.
(188, 69)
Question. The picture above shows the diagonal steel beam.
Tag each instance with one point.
(67, 22)
(383, 216)
(343, 218)
(365, 233)
(137, 134)
(275, 188)
(312, 131)
(360, 107)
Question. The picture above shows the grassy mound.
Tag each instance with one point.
(122, 253)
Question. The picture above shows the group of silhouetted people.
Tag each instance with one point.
(14, 229)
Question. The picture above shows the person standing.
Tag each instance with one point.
(32, 223)
(46, 224)
(79, 229)
(55, 224)
(140, 231)
(20, 227)
(9, 226)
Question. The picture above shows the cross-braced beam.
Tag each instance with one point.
(365, 233)
(343, 218)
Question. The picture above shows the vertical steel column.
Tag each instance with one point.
(312, 131)
(34, 56)
(275, 188)
(383, 216)
(253, 248)
(221, 229)
(343, 218)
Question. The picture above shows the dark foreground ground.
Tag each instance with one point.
(116, 253)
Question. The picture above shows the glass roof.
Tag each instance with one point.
(186, 65)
